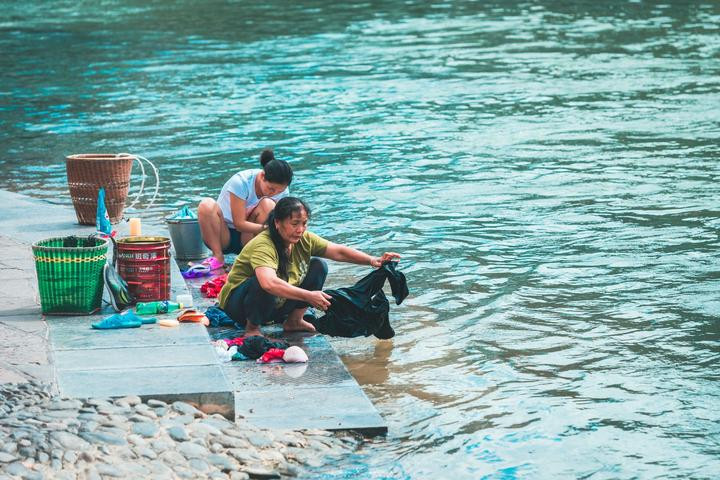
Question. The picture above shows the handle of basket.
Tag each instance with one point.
(140, 160)
(114, 244)
(142, 181)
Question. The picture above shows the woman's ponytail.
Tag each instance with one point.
(283, 259)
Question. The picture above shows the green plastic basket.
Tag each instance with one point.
(69, 272)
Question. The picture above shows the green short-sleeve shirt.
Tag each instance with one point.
(261, 252)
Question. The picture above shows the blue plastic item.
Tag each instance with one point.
(184, 214)
(102, 219)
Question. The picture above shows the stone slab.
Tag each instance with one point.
(29, 220)
(151, 361)
(203, 385)
(23, 352)
(175, 363)
(319, 394)
(23, 333)
(19, 293)
(134, 357)
(75, 333)
(320, 371)
(166, 363)
(332, 408)
(10, 375)
(281, 376)
(27, 323)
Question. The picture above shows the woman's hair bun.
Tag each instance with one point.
(266, 156)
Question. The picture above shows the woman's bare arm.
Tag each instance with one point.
(237, 207)
(343, 253)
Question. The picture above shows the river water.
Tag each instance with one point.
(550, 173)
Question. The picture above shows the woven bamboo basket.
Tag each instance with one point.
(69, 272)
(87, 172)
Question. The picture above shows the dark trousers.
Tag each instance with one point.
(248, 301)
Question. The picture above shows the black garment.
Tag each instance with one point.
(255, 345)
(363, 309)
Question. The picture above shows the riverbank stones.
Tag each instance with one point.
(48, 437)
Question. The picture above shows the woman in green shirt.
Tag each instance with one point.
(278, 274)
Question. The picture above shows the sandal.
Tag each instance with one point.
(211, 262)
(122, 320)
(117, 321)
(197, 270)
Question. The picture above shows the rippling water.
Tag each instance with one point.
(550, 173)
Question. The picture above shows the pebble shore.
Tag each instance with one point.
(44, 437)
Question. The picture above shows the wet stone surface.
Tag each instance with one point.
(47, 437)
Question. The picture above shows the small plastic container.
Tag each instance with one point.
(185, 300)
(135, 227)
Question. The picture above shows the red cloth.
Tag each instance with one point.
(274, 354)
(235, 341)
(211, 288)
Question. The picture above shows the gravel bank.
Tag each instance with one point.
(49, 437)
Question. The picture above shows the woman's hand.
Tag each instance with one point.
(319, 299)
(387, 256)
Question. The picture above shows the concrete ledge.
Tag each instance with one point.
(319, 394)
(134, 357)
(75, 333)
(170, 363)
(330, 408)
(23, 333)
(151, 361)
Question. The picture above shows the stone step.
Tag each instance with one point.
(151, 361)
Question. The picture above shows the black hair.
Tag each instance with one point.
(284, 209)
(266, 156)
(276, 171)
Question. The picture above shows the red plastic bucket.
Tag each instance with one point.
(144, 263)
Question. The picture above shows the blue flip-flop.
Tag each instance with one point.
(122, 320)
(145, 321)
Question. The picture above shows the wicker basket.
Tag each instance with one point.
(69, 272)
(87, 172)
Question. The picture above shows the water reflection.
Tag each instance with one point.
(371, 368)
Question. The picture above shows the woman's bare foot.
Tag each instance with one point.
(298, 325)
(252, 330)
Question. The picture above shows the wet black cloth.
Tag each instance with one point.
(255, 345)
(363, 309)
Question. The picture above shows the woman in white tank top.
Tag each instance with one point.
(242, 207)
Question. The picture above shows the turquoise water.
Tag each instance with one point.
(549, 172)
